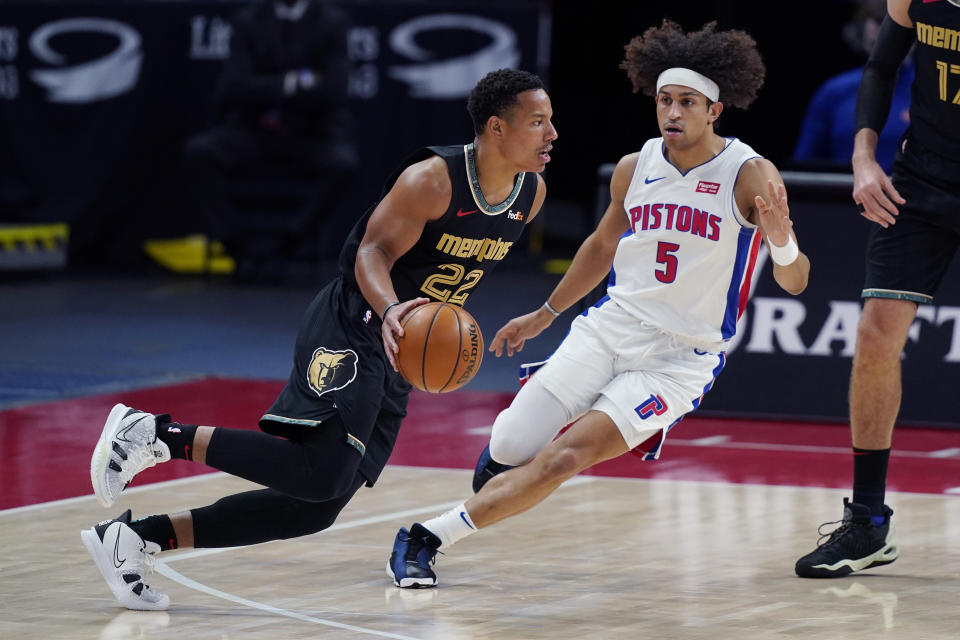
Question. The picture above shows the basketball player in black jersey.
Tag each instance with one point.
(447, 217)
(917, 212)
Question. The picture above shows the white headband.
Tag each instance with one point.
(689, 78)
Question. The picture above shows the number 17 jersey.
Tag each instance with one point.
(685, 264)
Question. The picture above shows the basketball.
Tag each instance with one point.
(441, 347)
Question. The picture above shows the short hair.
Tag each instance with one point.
(497, 92)
(729, 58)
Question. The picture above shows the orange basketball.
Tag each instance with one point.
(441, 348)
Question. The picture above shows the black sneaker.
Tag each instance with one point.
(486, 468)
(413, 553)
(855, 545)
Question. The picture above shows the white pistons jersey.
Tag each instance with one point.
(685, 264)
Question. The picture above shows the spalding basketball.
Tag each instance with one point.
(441, 347)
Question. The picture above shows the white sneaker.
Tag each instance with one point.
(127, 446)
(122, 558)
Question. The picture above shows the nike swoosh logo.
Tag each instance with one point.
(122, 434)
(117, 562)
(461, 212)
(647, 180)
(463, 517)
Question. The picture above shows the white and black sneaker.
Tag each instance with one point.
(857, 544)
(122, 558)
(127, 446)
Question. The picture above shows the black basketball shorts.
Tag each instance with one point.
(340, 368)
(907, 260)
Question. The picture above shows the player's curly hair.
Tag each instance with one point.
(729, 58)
(497, 92)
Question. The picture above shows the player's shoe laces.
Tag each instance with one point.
(123, 558)
(855, 545)
(127, 446)
(486, 468)
(413, 553)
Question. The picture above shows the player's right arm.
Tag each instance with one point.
(422, 193)
(872, 189)
(589, 267)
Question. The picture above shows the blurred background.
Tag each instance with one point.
(208, 157)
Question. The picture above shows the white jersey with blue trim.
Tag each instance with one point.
(685, 264)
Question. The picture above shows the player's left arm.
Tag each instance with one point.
(538, 199)
(762, 200)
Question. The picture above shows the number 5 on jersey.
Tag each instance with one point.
(665, 251)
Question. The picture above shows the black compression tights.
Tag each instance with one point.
(311, 476)
(313, 463)
(261, 516)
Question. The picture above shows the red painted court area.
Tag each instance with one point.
(46, 447)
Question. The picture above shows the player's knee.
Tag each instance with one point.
(327, 484)
(560, 463)
(509, 447)
(881, 334)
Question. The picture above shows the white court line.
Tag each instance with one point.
(187, 582)
(481, 431)
(709, 441)
(946, 453)
(163, 568)
(144, 487)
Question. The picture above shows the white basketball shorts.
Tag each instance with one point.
(643, 378)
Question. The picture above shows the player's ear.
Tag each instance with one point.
(714, 110)
(495, 126)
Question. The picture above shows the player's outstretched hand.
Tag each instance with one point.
(391, 329)
(875, 194)
(774, 219)
(516, 332)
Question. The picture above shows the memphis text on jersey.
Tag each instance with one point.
(939, 37)
(673, 216)
(481, 248)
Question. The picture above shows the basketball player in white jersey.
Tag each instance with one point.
(682, 231)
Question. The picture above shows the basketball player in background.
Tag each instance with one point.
(917, 233)
(333, 426)
(681, 233)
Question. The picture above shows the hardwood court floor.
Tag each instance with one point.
(601, 558)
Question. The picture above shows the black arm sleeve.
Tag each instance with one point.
(880, 75)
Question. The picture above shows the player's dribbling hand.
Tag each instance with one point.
(875, 194)
(515, 333)
(391, 329)
(774, 217)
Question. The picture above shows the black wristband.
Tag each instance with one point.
(387, 308)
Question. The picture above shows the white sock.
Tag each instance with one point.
(452, 525)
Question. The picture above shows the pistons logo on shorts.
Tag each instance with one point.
(652, 406)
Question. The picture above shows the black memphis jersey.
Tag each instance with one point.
(935, 99)
(455, 251)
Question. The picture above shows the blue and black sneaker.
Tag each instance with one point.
(486, 468)
(857, 544)
(413, 553)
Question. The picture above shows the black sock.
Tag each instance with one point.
(157, 529)
(179, 437)
(870, 478)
